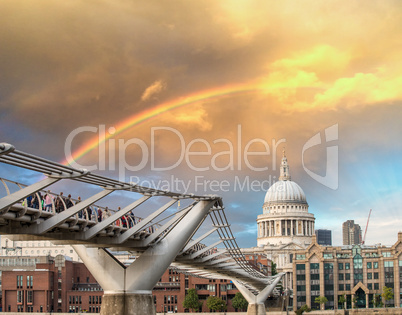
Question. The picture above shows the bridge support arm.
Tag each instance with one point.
(145, 271)
(108, 271)
(128, 290)
(256, 304)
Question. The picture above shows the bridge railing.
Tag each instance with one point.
(91, 215)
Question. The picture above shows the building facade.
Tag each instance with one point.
(8, 263)
(285, 224)
(351, 233)
(11, 246)
(324, 237)
(57, 285)
(355, 272)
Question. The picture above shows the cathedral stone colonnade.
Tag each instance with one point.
(295, 226)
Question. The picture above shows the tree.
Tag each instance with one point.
(387, 294)
(239, 302)
(342, 300)
(215, 303)
(302, 309)
(273, 269)
(321, 300)
(377, 300)
(191, 300)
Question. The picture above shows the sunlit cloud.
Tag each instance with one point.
(152, 90)
(279, 69)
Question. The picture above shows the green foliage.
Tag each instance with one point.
(273, 269)
(302, 309)
(342, 301)
(321, 300)
(377, 301)
(191, 300)
(239, 302)
(387, 294)
(215, 303)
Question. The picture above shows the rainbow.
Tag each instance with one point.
(157, 110)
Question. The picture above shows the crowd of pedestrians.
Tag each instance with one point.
(60, 203)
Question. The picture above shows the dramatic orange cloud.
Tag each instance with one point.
(279, 69)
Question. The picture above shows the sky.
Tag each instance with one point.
(203, 96)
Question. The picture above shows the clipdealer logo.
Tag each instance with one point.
(331, 178)
(237, 153)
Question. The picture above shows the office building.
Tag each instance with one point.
(352, 272)
(351, 233)
(324, 237)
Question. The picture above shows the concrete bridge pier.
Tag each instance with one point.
(256, 304)
(128, 290)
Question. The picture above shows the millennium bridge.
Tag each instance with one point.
(165, 237)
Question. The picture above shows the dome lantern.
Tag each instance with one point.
(284, 171)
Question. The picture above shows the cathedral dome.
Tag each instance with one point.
(285, 191)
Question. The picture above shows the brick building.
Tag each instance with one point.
(353, 271)
(58, 285)
(28, 263)
(169, 293)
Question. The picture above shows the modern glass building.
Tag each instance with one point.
(324, 237)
